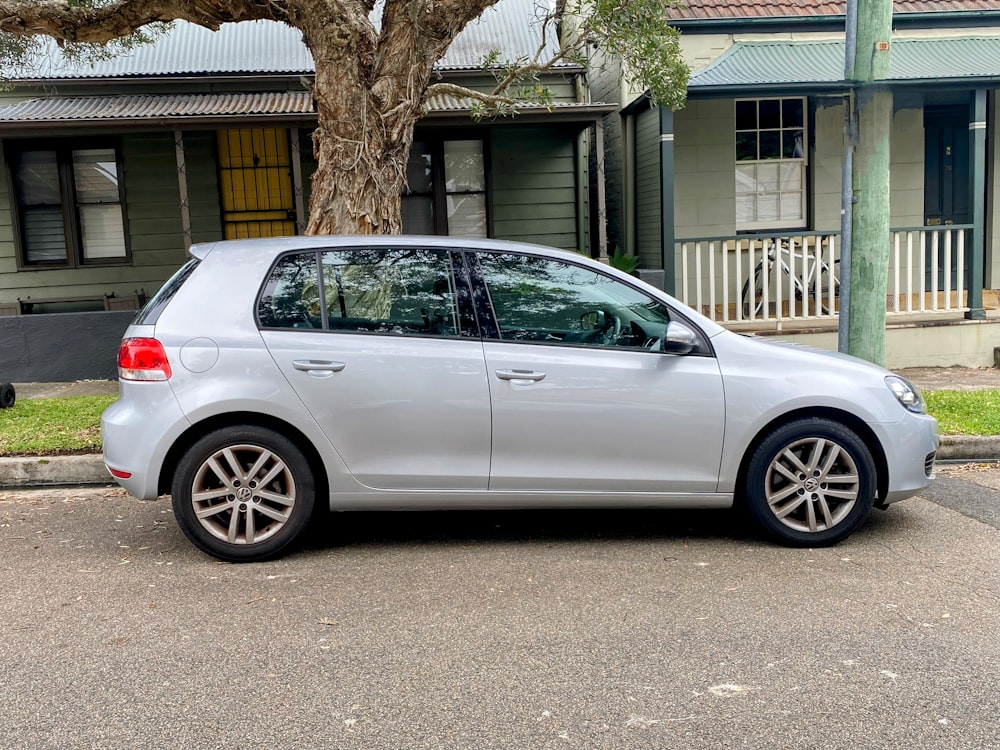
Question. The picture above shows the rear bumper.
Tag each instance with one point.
(137, 431)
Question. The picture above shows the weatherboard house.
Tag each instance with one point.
(735, 200)
(115, 168)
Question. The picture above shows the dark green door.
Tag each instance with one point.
(946, 180)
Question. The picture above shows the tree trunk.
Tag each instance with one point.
(361, 169)
(368, 100)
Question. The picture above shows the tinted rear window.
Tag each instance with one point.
(151, 312)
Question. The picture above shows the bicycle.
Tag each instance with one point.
(803, 279)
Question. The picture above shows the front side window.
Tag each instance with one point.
(770, 163)
(69, 205)
(545, 301)
(446, 189)
(407, 292)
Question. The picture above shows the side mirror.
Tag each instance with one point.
(679, 339)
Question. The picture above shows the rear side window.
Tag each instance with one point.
(149, 314)
(401, 291)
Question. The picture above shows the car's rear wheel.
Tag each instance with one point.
(243, 494)
(811, 483)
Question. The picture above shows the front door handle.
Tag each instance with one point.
(520, 375)
(316, 365)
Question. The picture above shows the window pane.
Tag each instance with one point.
(537, 300)
(417, 214)
(467, 215)
(791, 113)
(403, 292)
(44, 234)
(746, 209)
(96, 174)
(770, 114)
(291, 295)
(770, 144)
(746, 146)
(418, 169)
(767, 206)
(463, 166)
(102, 231)
(37, 178)
(746, 115)
(791, 144)
(791, 206)
(792, 176)
(767, 178)
(746, 178)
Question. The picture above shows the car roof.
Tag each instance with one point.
(273, 246)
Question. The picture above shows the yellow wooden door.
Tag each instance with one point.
(255, 176)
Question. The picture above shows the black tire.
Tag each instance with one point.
(7, 396)
(270, 517)
(811, 483)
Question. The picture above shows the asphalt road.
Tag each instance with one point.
(502, 630)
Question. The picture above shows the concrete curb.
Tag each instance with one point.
(969, 447)
(47, 471)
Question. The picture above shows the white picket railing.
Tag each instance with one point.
(774, 277)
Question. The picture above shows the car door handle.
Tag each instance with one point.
(520, 375)
(315, 365)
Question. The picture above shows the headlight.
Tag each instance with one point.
(906, 393)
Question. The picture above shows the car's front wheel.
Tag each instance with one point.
(243, 494)
(811, 483)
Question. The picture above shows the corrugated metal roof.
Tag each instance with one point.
(270, 47)
(748, 64)
(145, 108)
(730, 9)
(155, 107)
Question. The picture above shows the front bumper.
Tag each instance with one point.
(910, 447)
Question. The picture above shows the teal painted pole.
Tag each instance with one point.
(871, 232)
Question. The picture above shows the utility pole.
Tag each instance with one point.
(870, 236)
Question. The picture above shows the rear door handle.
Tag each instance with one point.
(316, 365)
(520, 375)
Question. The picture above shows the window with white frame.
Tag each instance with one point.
(770, 163)
(69, 205)
(446, 188)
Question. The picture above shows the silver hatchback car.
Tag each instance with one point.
(269, 376)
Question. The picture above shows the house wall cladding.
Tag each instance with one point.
(156, 235)
(534, 186)
(647, 189)
(604, 77)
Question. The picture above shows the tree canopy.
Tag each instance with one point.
(374, 70)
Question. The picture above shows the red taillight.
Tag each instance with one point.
(142, 359)
(119, 473)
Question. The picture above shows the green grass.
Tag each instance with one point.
(52, 426)
(966, 412)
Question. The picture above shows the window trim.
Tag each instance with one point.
(467, 324)
(777, 224)
(489, 324)
(435, 140)
(72, 224)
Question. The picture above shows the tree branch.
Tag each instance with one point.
(461, 92)
(102, 23)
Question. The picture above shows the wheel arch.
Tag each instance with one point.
(244, 419)
(851, 421)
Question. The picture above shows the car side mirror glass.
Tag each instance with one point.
(679, 339)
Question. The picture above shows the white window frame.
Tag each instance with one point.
(779, 164)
